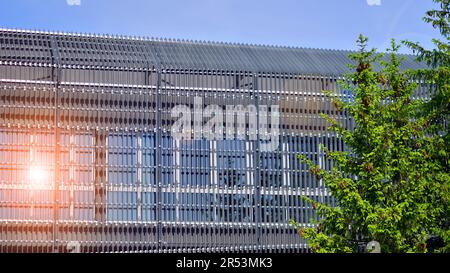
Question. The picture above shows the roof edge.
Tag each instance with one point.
(160, 39)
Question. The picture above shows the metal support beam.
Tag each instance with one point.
(158, 161)
(56, 78)
(257, 165)
(100, 147)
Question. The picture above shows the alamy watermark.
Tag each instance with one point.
(240, 122)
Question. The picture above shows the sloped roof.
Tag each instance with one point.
(139, 53)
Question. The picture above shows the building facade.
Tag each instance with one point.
(89, 161)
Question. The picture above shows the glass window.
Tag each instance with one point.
(273, 209)
(26, 163)
(271, 169)
(231, 163)
(122, 173)
(234, 207)
(195, 168)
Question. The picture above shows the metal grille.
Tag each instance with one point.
(87, 157)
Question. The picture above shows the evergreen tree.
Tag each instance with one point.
(387, 183)
(436, 79)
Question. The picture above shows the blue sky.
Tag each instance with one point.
(304, 23)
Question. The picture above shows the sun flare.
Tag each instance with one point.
(38, 175)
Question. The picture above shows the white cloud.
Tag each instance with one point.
(374, 2)
(73, 2)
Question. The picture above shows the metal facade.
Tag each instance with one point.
(94, 113)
